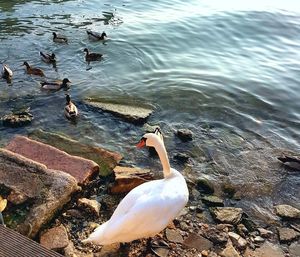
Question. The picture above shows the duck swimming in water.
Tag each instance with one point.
(6, 73)
(90, 57)
(96, 36)
(33, 71)
(147, 209)
(59, 38)
(48, 58)
(55, 85)
(71, 111)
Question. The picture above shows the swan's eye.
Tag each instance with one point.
(142, 142)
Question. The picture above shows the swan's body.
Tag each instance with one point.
(96, 36)
(71, 110)
(147, 209)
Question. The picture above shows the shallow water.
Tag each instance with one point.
(230, 69)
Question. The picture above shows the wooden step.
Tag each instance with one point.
(13, 244)
(81, 169)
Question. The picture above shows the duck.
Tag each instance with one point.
(90, 57)
(59, 38)
(71, 111)
(148, 208)
(55, 85)
(6, 73)
(3, 204)
(96, 36)
(33, 71)
(48, 58)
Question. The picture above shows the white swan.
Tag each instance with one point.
(147, 209)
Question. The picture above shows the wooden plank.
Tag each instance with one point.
(13, 244)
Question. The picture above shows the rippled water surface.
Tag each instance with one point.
(227, 70)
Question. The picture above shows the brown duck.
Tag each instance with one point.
(33, 71)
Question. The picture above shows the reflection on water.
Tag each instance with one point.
(229, 74)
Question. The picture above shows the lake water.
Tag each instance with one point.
(227, 70)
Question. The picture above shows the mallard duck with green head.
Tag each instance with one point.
(48, 58)
(90, 57)
(96, 36)
(56, 85)
(71, 111)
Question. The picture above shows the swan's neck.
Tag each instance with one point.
(163, 156)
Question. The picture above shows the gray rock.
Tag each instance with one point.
(92, 206)
(294, 249)
(287, 234)
(287, 211)
(185, 134)
(237, 240)
(55, 238)
(212, 200)
(199, 242)
(268, 250)
(130, 113)
(48, 189)
(173, 235)
(229, 215)
(265, 233)
(258, 239)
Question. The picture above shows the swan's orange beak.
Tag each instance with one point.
(141, 144)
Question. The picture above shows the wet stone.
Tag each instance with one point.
(229, 251)
(287, 211)
(55, 238)
(212, 200)
(294, 249)
(287, 234)
(229, 215)
(182, 157)
(205, 186)
(265, 233)
(237, 240)
(267, 250)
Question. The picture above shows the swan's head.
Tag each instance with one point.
(149, 139)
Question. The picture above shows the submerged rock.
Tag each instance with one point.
(185, 134)
(106, 160)
(55, 238)
(127, 178)
(212, 200)
(130, 113)
(205, 186)
(287, 211)
(48, 189)
(17, 119)
(229, 215)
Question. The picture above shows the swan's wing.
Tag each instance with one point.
(149, 215)
(130, 199)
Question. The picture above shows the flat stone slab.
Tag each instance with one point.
(48, 190)
(127, 178)
(106, 159)
(130, 113)
(287, 211)
(229, 215)
(81, 169)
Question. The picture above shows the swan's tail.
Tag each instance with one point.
(97, 236)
